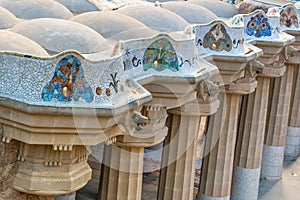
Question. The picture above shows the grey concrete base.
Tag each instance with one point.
(245, 184)
(292, 144)
(67, 197)
(204, 197)
(272, 162)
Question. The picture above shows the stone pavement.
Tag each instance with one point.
(288, 188)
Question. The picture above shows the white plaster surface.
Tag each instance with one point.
(67, 197)
(7, 19)
(245, 183)
(220, 8)
(57, 35)
(114, 26)
(32, 9)
(292, 144)
(168, 21)
(192, 13)
(272, 162)
(204, 197)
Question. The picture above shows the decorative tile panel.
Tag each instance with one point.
(160, 56)
(65, 80)
(259, 25)
(68, 82)
(289, 16)
(220, 37)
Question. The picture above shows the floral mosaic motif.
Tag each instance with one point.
(114, 84)
(160, 55)
(288, 17)
(258, 26)
(217, 39)
(68, 82)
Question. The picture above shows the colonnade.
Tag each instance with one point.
(248, 88)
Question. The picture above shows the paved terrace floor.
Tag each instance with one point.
(285, 189)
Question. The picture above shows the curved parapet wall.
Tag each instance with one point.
(219, 37)
(65, 80)
(260, 26)
(91, 101)
(289, 17)
(161, 57)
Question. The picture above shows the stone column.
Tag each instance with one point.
(122, 173)
(179, 153)
(8, 170)
(178, 160)
(248, 153)
(277, 121)
(220, 141)
(122, 168)
(292, 144)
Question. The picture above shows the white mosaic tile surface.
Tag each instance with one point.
(234, 31)
(188, 60)
(23, 79)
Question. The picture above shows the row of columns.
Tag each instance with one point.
(245, 139)
(292, 145)
(242, 138)
(261, 134)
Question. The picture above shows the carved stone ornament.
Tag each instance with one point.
(132, 120)
(254, 67)
(206, 89)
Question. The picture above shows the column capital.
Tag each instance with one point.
(149, 127)
(293, 55)
(274, 70)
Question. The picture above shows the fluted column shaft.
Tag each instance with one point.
(250, 142)
(276, 127)
(122, 173)
(179, 154)
(219, 149)
(292, 145)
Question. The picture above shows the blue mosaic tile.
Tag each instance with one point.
(68, 82)
(258, 26)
